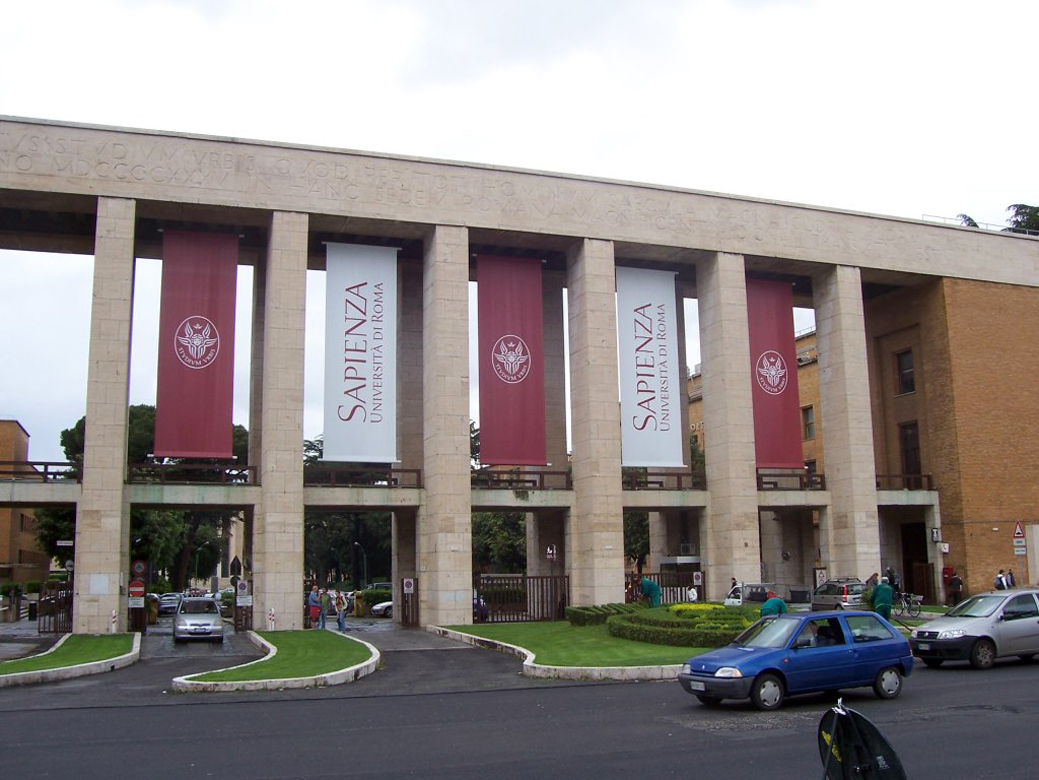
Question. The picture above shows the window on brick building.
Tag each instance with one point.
(808, 423)
(909, 443)
(904, 371)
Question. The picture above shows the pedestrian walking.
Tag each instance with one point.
(314, 607)
(1000, 582)
(325, 600)
(883, 597)
(955, 589)
(341, 611)
(1011, 582)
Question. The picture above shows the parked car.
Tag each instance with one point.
(796, 653)
(981, 629)
(840, 593)
(383, 609)
(380, 586)
(198, 618)
(168, 603)
(744, 592)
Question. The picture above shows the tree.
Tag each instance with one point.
(1023, 219)
(500, 542)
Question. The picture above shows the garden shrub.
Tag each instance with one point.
(597, 615)
(705, 627)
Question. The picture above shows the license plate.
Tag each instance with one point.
(923, 646)
(697, 686)
(200, 630)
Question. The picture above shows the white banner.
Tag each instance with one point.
(650, 369)
(361, 354)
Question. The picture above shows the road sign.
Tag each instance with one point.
(409, 586)
(136, 588)
(1020, 543)
(1019, 532)
(1020, 551)
(697, 578)
(550, 552)
(69, 564)
(63, 543)
(138, 567)
(135, 602)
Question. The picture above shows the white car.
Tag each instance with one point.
(198, 618)
(383, 609)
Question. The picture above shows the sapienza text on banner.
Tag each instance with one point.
(650, 363)
(363, 352)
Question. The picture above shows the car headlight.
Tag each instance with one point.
(728, 671)
(953, 633)
(687, 669)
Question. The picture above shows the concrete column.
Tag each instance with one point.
(853, 536)
(403, 559)
(552, 285)
(595, 544)
(659, 525)
(278, 519)
(102, 515)
(445, 520)
(731, 534)
(409, 365)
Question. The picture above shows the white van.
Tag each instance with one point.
(753, 592)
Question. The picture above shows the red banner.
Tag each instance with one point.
(195, 390)
(512, 373)
(773, 355)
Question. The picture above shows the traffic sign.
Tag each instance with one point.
(1019, 532)
(63, 543)
(136, 588)
(409, 586)
(550, 552)
(138, 567)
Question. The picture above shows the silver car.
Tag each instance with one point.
(981, 629)
(840, 593)
(198, 618)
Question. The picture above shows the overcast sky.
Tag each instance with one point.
(900, 108)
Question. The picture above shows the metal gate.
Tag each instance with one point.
(54, 614)
(519, 598)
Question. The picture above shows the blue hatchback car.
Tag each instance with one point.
(784, 655)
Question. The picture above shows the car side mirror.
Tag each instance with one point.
(802, 643)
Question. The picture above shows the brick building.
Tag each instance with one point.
(20, 559)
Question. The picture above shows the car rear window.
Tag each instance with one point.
(855, 588)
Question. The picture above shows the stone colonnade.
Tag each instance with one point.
(435, 542)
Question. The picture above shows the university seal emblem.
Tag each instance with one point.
(771, 372)
(511, 359)
(197, 342)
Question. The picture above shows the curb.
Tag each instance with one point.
(71, 672)
(338, 677)
(541, 671)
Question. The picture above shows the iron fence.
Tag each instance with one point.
(520, 598)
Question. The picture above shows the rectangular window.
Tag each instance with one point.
(810, 467)
(909, 444)
(808, 422)
(904, 370)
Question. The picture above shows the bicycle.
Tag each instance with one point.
(907, 602)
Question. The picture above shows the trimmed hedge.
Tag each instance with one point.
(684, 628)
(595, 616)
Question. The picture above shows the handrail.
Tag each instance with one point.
(905, 482)
(190, 473)
(39, 471)
(361, 476)
(801, 480)
(521, 480)
(664, 480)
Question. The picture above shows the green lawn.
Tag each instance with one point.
(561, 644)
(300, 654)
(77, 649)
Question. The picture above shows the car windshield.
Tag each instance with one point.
(199, 608)
(976, 606)
(769, 632)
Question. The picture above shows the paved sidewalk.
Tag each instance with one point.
(22, 638)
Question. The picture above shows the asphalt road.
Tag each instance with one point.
(467, 713)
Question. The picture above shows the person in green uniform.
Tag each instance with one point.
(650, 590)
(882, 597)
(773, 606)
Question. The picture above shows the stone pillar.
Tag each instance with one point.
(731, 546)
(403, 559)
(659, 523)
(853, 536)
(278, 518)
(102, 515)
(409, 365)
(595, 543)
(445, 519)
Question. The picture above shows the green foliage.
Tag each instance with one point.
(499, 542)
(9, 589)
(636, 537)
(662, 626)
(597, 615)
(32, 586)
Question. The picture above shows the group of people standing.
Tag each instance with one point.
(1004, 580)
(324, 602)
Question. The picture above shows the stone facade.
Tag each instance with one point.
(127, 185)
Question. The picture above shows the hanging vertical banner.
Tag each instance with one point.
(361, 354)
(650, 373)
(195, 389)
(512, 373)
(773, 355)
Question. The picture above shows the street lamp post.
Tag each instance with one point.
(364, 557)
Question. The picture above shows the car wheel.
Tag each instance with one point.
(767, 692)
(983, 654)
(389, 612)
(708, 701)
(888, 683)
(933, 663)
